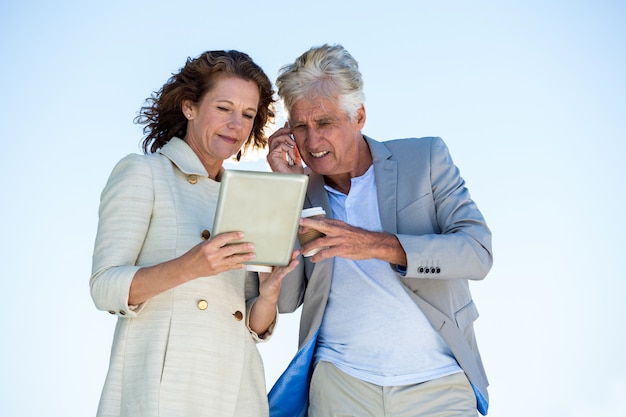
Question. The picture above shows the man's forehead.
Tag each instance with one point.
(314, 110)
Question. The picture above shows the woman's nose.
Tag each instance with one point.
(236, 120)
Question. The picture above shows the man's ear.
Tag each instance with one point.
(360, 117)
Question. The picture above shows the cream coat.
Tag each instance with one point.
(169, 356)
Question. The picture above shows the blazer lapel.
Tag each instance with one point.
(386, 173)
(317, 196)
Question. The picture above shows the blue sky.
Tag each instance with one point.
(529, 96)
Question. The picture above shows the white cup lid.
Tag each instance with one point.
(313, 211)
(258, 268)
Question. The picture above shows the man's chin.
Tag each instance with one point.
(318, 165)
(317, 168)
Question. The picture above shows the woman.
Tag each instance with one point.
(188, 312)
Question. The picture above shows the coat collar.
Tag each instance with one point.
(181, 155)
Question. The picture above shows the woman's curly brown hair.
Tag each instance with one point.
(163, 116)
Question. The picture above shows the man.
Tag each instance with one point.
(386, 302)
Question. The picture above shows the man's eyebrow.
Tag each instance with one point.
(324, 118)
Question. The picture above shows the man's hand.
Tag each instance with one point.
(351, 242)
(283, 155)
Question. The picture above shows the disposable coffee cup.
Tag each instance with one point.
(304, 238)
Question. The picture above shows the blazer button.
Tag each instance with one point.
(438, 270)
(238, 315)
(193, 178)
(205, 235)
(202, 304)
(421, 270)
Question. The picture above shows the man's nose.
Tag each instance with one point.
(313, 136)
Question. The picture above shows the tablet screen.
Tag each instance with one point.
(266, 207)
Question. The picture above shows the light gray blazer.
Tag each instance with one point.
(424, 202)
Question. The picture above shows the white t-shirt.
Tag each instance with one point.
(372, 330)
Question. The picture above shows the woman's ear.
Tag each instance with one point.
(187, 108)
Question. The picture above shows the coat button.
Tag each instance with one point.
(193, 178)
(205, 235)
(202, 304)
(238, 315)
(122, 312)
(421, 270)
(111, 312)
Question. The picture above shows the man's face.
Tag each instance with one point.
(326, 138)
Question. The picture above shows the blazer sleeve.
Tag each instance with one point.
(442, 231)
(124, 217)
(292, 288)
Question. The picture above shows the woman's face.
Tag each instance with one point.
(222, 121)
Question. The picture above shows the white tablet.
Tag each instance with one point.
(266, 207)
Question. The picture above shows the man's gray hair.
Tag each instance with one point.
(327, 72)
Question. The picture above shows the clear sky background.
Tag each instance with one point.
(529, 96)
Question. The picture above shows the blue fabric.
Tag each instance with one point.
(481, 402)
(289, 397)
